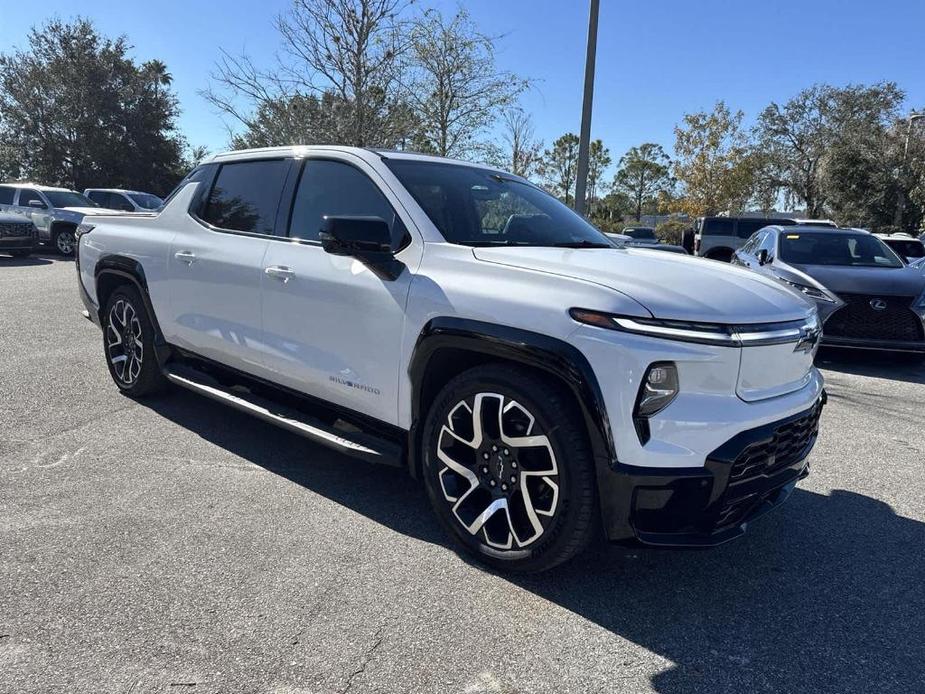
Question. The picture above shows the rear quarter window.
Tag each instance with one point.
(718, 227)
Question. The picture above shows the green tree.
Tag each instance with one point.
(560, 167)
(671, 231)
(644, 173)
(76, 110)
(609, 211)
(711, 162)
(456, 89)
(598, 162)
(796, 138)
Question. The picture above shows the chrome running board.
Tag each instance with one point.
(356, 444)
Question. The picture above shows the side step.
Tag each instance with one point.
(353, 443)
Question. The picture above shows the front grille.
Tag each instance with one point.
(16, 229)
(787, 445)
(858, 319)
(784, 448)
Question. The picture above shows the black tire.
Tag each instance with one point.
(128, 332)
(566, 516)
(65, 242)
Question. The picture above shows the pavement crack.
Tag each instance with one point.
(367, 656)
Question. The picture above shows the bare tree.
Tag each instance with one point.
(338, 55)
(523, 152)
(456, 89)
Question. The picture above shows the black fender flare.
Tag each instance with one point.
(536, 350)
(131, 270)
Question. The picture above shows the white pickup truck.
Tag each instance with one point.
(461, 322)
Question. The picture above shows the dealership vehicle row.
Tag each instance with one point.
(33, 214)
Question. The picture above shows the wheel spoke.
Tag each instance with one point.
(483, 517)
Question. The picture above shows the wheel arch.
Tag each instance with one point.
(113, 271)
(61, 225)
(448, 346)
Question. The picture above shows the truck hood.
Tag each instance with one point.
(671, 286)
(842, 279)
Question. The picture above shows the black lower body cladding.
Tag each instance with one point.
(701, 507)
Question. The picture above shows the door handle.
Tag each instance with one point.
(280, 272)
(185, 257)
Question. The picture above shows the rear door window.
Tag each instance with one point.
(118, 201)
(245, 196)
(6, 195)
(718, 227)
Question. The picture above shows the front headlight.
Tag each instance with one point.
(719, 334)
(810, 292)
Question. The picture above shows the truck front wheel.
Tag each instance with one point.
(64, 241)
(508, 468)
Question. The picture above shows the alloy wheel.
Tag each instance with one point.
(124, 346)
(64, 241)
(498, 471)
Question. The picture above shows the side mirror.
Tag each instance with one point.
(37, 203)
(763, 256)
(368, 239)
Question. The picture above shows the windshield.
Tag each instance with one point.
(856, 250)
(146, 200)
(68, 198)
(641, 233)
(477, 207)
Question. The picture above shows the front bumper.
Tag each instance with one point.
(18, 243)
(747, 476)
(915, 346)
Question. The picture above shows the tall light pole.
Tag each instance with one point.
(584, 138)
(901, 203)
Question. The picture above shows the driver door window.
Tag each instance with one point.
(27, 195)
(332, 188)
(768, 244)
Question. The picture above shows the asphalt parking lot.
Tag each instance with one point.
(179, 546)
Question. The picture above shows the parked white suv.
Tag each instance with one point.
(460, 321)
(55, 212)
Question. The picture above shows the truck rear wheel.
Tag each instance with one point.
(509, 470)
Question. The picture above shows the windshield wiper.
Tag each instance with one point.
(582, 244)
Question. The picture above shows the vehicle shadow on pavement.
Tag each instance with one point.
(824, 594)
(353, 483)
(28, 261)
(889, 365)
